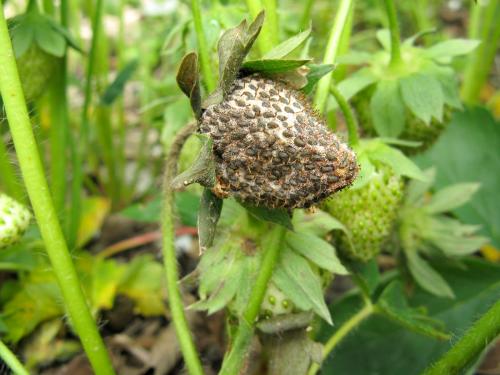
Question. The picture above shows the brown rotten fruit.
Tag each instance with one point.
(271, 149)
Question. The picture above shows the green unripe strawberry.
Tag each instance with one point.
(368, 213)
(14, 219)
(36, 68)
(415, 129)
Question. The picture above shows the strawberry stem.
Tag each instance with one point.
(43, 207)
(396, 59)
(346, 328)
(186, 342)
(470, 346)
(208, 77)
(345, 8)
(11, 360)
(350, 119)
(234, 360)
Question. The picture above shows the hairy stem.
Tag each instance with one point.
(472, 343)
(345, 7)
(350, 118)
(43, 207)
(208, 76)
(394, 30)
(346, 328)
(9, 180)
(234, 360)
(186, 342)
(11, 360)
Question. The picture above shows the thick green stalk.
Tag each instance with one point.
(186, 342)
(271, 246)
(11, 360)
(345, 7)
(77, 157)
(9, 179)
(306, 15)
(43, 207)
(208, 76)
(396, 59)
(265, 39)
(350, 118)
(481, 61)
(343, 331)
(272, 21)
(472, 343)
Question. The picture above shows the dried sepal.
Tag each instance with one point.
(188, 81)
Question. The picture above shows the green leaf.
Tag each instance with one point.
(390, 349)
(272, 66)
(366, 171)
(416, 189)
(188, 205)
(396, 160)
(202, 171)
(22, 35)
(387, 109)
(50, 41)
(366, 274)
(449, 84)
(66, 34)
(316, 72)
(451, 197)
(208, 216)
(393, 305)
(427, 277)
(384, 38)
(468, 152)
(316, 250)
(295, 278)
(189, 82)
(423, 95)
(451, 48)
(355, 58)
(147, 212)
(274, 215)
(116, 87)
(288, 46)
(142, 282)
(105, 278)
(318, 223)
(356, 82)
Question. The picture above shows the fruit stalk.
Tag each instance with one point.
(343, 331)
(472, 343)
(11, 360)
(208, 77)
(186, 342)
(234, 360)
(394, 30)
(345, 7)
(350, 119)
(43, 207)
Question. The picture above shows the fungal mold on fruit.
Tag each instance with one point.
(271, 149)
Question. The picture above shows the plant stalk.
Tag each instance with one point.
(332, 48)
(270, 7)
(208, 76)
(350, 118)
(9, 181)
(306, 15)
(43, 207)
(343, 331)
(234, 360)
(396, 59)
(11, 360)
(472, 343)
(186, 341)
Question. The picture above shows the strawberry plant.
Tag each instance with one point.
(268, 187)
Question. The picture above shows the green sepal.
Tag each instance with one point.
(188, 81)
(208, 216)
(273, 215)
(316, 72)
(285, 48)
(202, 171)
